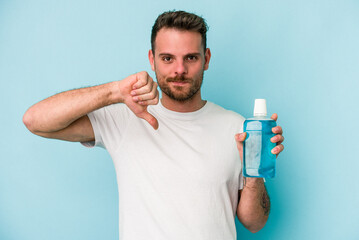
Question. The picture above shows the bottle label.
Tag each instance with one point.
(253, 149)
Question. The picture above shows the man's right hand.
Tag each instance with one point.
(64, 115)
(138, 91)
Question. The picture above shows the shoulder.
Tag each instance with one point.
(112, 114)
(225, 119)
(225, 113)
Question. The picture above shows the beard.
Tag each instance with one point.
(180, 93)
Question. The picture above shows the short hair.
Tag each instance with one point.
(180, 20)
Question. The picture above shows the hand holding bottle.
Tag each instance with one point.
(278, 139)
(260, 143)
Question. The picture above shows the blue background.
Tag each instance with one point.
(302, 56)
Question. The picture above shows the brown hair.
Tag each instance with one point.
(180, 20)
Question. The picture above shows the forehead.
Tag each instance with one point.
(174, 41)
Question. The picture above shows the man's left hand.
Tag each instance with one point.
(278, 139)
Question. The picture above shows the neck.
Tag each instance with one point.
(193, 104)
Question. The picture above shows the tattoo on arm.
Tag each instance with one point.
(265, 203)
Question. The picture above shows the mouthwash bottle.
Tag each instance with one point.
(257, 157)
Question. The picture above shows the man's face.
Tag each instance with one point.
(179, 63)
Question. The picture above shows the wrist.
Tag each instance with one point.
(115, 95)
(254, 183)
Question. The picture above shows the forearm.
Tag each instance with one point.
(59, 111)
(254, 205)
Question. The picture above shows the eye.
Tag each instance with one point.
(192, 58)
(167, 59)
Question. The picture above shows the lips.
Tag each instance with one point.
(180, 84)
(178, 80)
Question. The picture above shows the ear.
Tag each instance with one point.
(207, 57)
(151, 58)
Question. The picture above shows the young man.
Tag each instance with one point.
(178, 160)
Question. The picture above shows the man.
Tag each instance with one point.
(178, 160)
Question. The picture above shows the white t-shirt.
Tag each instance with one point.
(179, 182)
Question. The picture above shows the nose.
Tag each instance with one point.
(180, 68)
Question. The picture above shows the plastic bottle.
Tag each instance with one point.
(257, 157)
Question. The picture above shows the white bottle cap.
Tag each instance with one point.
(260, 108)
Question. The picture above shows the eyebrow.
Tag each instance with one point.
(165, 54)
(188, 54)
(193, 54)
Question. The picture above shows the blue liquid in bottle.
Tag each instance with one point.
(257, 157)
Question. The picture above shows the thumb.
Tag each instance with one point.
(240, 137)
(150, 119)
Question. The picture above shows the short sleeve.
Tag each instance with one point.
(241, 180)
(109, 124)
(95, 126)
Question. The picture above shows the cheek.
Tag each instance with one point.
(160, 75)
(163, 70)
(198, 70)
